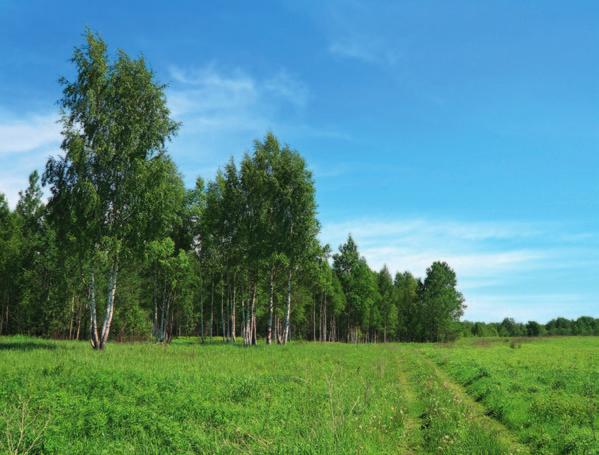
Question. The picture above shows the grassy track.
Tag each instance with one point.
(471, 425)
(61, 397)
(412, 442)
(546, 391)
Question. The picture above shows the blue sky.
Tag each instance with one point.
(462, 131)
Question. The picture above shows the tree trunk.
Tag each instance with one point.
(254, 339)
(279, 331)
(202, 331)
(109, 305)
(271, 306)
(228, 306)
(324, 325)
(72, 318)
(162, 325)
(288, 310)
(250, 317)
(211, 308)
(79, 312)
(93, 320)
(320, 331)
(222, 308)
(314, 320)
(243, 320)
(233, 311)
(155, 300)
(333, 333)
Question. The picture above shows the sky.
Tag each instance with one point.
(462, 131)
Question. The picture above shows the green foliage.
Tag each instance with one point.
(236, 255)
(442, 304)
(114, 188)
(360, 287)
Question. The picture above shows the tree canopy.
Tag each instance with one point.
(235, 256)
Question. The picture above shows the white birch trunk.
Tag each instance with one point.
(233, 312)
(93, 320)
(270, 306)
(253, 336)
(109, 305)
(288, 310)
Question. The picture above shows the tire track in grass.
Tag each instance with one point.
(475, 413)
(412, 441)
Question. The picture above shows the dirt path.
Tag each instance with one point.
(476, 412)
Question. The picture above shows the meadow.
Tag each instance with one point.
(474, 396)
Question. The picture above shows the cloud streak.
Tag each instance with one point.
(413, 244)
(25, 143)
(208, 98)
(492, 259)
(364, 48)
(224, 110)
(28, 133)
(359, 31)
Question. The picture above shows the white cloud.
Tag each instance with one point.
(414, 243)
(26, 141)
(224, 110)
(501, 266)
(468, 265)
(208, 99)
(27, 133)
(421, 228)
(207, 94)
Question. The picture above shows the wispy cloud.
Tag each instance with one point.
(365, 48)
(361, 31)
(224, 109)
(493, 260)
(25, 143)
(413, 244)
(19, 134)
(208, 98)
(423, 228)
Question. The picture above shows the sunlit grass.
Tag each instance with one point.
(63, 397)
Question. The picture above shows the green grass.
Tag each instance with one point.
(62, 397)
(545, 391)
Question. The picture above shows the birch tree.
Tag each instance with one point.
(295, 207)
(115, 126)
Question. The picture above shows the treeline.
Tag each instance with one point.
(583, 326)
(123, 250)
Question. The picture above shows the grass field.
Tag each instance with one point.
(473, 397)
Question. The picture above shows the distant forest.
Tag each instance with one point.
(122, 250)
(583, 326)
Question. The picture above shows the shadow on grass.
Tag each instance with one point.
(26, 346)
